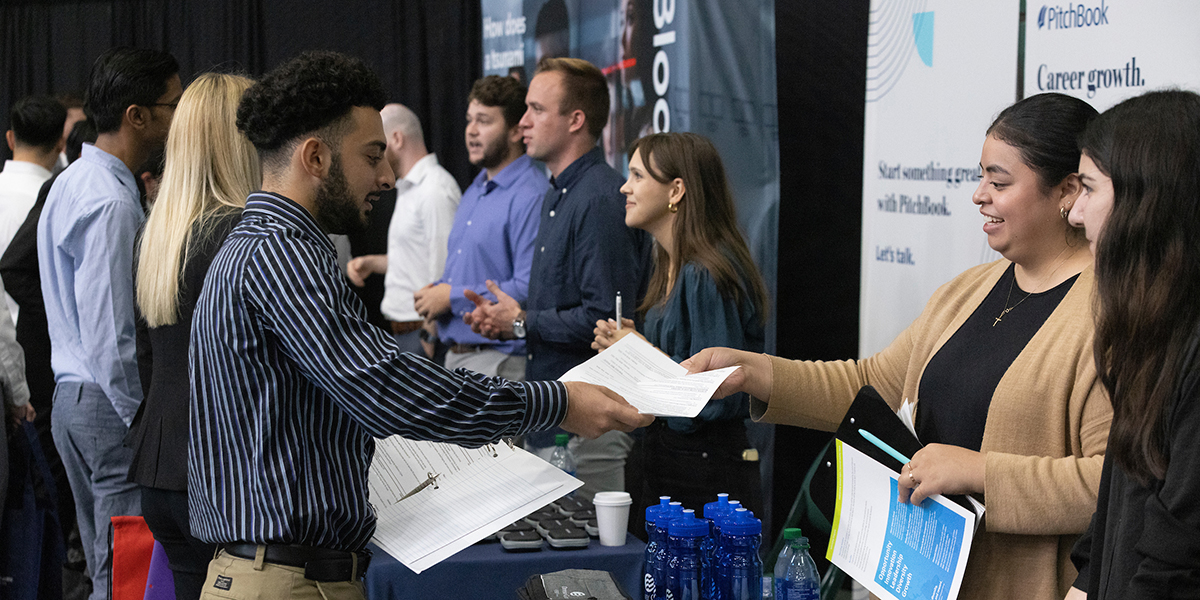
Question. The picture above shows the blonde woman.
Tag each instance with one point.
(210, 169)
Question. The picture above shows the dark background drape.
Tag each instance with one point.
(428, 54)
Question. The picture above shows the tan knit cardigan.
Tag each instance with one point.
(1047, 427)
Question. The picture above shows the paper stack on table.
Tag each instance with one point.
(648, 379)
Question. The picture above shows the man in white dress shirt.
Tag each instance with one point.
(35, 125)
(427, 197)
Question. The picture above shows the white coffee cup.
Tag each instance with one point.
(612, 516)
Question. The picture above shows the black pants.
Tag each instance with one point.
(166, 513)
(691, 468)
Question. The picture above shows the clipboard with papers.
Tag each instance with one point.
(895, 549)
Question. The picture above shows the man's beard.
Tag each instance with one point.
(337, 208)
(494, 154)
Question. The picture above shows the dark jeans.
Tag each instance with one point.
(691, 468)
(166, 513)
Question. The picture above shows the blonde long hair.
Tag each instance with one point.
(210, 168)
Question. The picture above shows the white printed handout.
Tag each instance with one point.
(895, 549)
(433, 500)
(648, 379)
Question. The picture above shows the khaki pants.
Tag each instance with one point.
(233, 578)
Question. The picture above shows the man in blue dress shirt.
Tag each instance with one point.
(491, 243)
(291, 383)
(584, 254)
(85, 253)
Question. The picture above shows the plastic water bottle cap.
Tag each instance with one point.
(792, 533)
(742, 523)
(655, 510)
(561, 439)
(713, 508)
(688, 526)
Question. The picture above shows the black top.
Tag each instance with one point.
(160, 429)
(19, 267)
(959, 381)
(1144, 540)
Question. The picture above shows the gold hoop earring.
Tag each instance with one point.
(673, 207)
(1065, 211)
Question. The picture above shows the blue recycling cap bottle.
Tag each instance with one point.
(672, 511)
(654, 513)
(798, 578)
(739, 569)
(713, 513)
(685, 567)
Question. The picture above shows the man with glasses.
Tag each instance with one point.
(85, 250)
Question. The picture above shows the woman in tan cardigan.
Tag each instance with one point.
(999, 363)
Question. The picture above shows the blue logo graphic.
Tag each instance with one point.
(1042, 17)
(923, 36)
(1074, 16)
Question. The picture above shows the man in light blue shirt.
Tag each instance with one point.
(491, 243)
(85, 249)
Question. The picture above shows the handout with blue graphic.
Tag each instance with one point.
(897, 550)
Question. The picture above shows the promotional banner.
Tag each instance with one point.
(1104, 51)
(705, 66)
(938, 73)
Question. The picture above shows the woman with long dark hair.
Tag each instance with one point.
(705, 291)
(1141, 208)
(999, 365)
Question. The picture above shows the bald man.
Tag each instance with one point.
(426, 199)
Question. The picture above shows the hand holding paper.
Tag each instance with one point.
(649, 380)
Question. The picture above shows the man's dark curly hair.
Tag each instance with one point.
(504, 92)
(309, 94)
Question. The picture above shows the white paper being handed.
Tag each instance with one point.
(648, 379)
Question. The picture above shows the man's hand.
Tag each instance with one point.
(492, 319)
(361, 267)
(21, 413)
(941, 469)
(593, 411)
(607, 333)
(755, 376)
(432, 301)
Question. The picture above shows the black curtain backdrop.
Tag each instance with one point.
(426, 52)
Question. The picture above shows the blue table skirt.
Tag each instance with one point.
(486, 571)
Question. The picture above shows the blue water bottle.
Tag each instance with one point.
(662, 554)
(713, 512)
(685, 569)
(739, 569)
(799, 580)
(655, 540)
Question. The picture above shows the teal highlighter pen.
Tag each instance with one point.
(878, 443)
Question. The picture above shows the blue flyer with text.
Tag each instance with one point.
(895, 549)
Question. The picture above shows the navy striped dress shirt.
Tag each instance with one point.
(290, 383)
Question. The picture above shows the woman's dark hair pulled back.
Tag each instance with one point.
(1045, 129)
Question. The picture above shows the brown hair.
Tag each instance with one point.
(705, 229)
(504, 92)
(1147, 268)
(584, 88)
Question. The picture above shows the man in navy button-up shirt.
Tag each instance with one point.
(583, 255)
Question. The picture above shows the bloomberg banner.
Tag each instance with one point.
(1105, 51)
(705, 66)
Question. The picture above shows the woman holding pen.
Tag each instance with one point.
(705, 291)
(999, 364)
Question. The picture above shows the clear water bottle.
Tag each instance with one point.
(796, 578)
(662, 555)
(562, 457)
(739, 569)
(655, 540)
(785, 555)
(685, 568)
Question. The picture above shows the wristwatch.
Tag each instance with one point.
(519, 327)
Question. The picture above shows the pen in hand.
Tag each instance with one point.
(618, 311)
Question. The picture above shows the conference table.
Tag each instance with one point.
(487, 571)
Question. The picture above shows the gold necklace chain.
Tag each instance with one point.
(1007, 308)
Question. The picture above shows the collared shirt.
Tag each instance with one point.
(85, 254)
(19, 185)
(426, 200)
(584, 254)
(13, 389)
(290, 383)
(492, 239)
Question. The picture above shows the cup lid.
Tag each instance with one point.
(612, 499)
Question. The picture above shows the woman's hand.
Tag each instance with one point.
(755, 376)
(607, 333)
(1075, 594)
(942, 469)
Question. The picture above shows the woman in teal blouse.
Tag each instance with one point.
(705, 292)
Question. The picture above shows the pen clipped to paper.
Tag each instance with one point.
(878, 443)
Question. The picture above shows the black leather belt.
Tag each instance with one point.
(319, 564)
